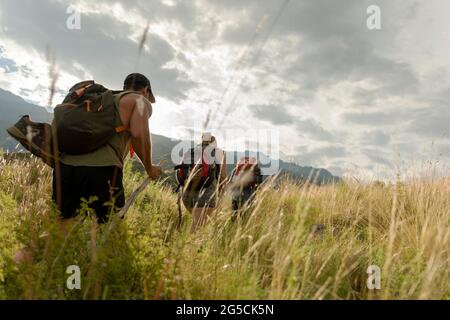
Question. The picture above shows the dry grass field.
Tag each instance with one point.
(270, 252)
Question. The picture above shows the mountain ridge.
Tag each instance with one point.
(162, 146)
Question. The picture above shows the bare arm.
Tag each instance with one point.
(140, 134)
(138, 116)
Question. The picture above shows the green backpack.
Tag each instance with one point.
(86, 120)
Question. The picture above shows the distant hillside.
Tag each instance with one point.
(12, 107)
(163, 146)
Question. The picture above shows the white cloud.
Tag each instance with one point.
(334, 90)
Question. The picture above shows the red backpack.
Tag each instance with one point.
(249, 171)
(195, 172)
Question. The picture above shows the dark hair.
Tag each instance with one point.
(136, 82)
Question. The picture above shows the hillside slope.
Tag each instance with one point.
(13, 106)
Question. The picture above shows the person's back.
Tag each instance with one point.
(202, 201)
(246, 178)
(112, 153)
(99, 173)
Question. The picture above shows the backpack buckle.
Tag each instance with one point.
(88, 104)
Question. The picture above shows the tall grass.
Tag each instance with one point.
(268, 252)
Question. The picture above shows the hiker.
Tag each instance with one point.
(120, 119)
(245, 180)
(201, 176)
(99, 173)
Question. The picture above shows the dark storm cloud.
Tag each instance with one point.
(184, 13)
(312, 47)
(433, 120)
(276, 115)
(312, 129)
(432, 123)
(102, 46)
(310, 155)
(335, 45)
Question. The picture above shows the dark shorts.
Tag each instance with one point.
(205, 198)
(241, 198)
(78, 182)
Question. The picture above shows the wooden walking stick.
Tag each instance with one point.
(130, 201)
(133, 197)
(180, 216)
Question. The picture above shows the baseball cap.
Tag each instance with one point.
(134, 80)
(206, 137)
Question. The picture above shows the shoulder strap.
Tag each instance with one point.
(120, 95)
(192, 156)
(117, 97)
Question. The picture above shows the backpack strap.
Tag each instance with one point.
(119, 95)
(120, 129)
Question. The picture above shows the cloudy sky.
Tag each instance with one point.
(337, 94)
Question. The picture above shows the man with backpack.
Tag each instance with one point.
(201, 176)
(92, 132)
(245, 178)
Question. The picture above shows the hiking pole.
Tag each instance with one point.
(180, 216)
(130, 201)
(133, 197)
